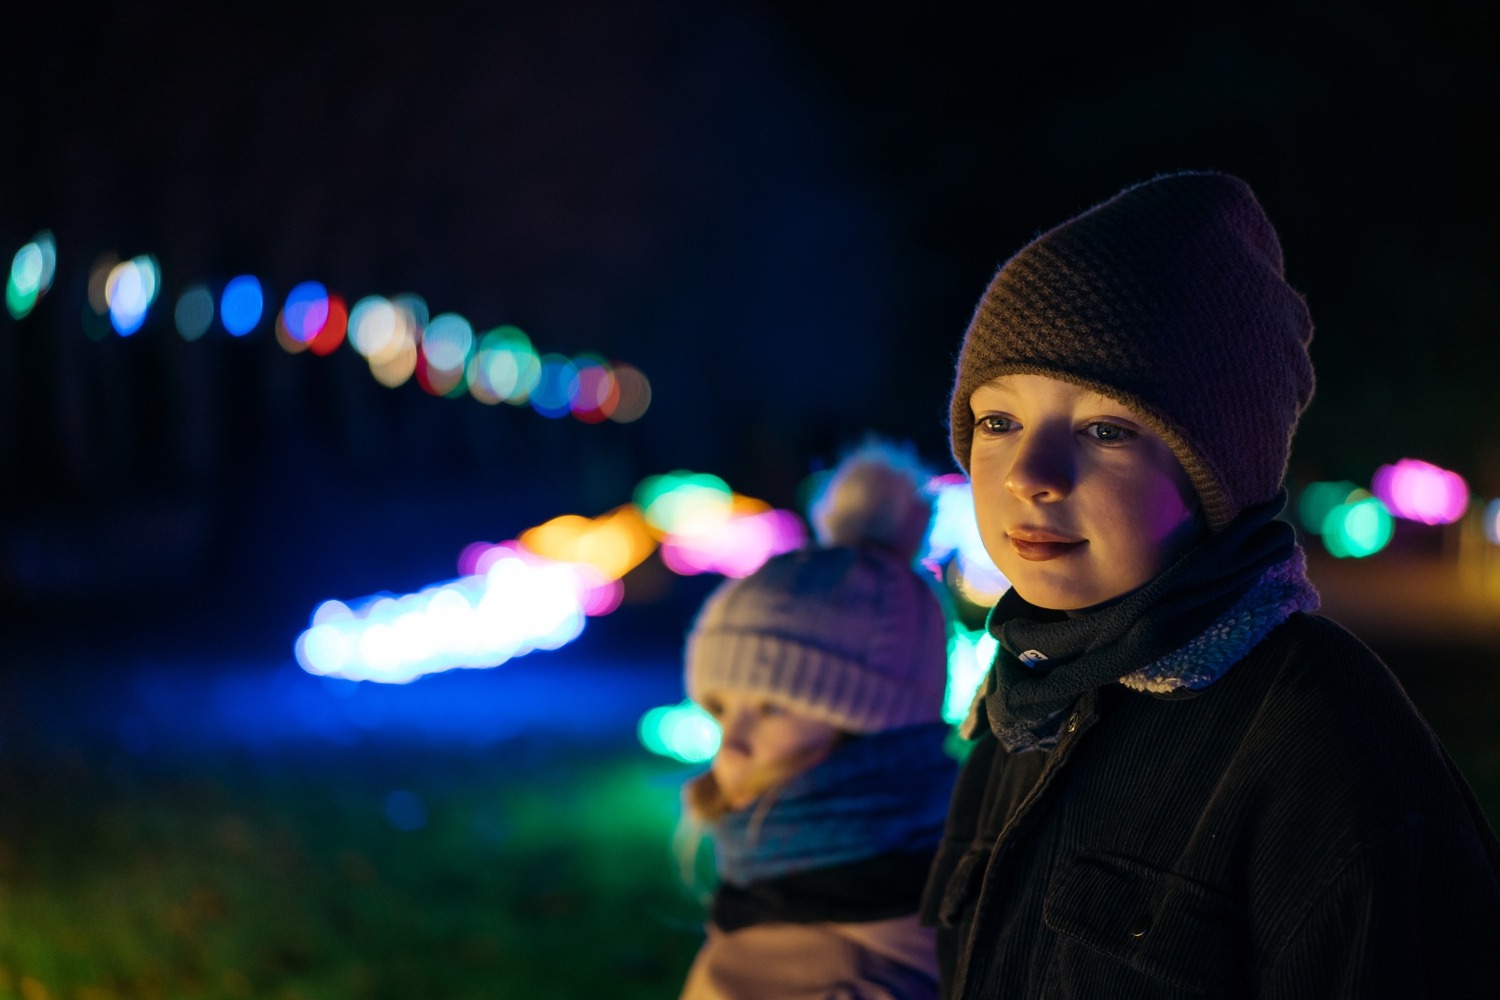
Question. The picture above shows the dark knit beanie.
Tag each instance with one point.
(1168, 297)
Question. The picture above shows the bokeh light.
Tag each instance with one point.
(394, 367)
(1492, 521)
(594, 394)
(684, 732)
(506, 366)
(1356, 529)
(31, 273)
(634, 394)
(557, 379)
(335, 326)
(1317, 499)
(955, 535)
(683, 502)
(195, 312)
(129, 291)
(447, 343)
(1421, 491)
(241, 305)
(376, 328)
(98, 279)
(306, 311)
(613, 543)
(737, 547)
(970, 654)
(518, 604)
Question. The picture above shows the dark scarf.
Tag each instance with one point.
(873, 795)
(1182, 630)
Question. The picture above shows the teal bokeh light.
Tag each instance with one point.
(1357, 529)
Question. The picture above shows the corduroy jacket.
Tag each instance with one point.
(1294, 830)
(877, 960)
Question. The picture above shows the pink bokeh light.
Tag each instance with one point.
(1421, 491)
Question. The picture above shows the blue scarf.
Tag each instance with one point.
(1181, 631)
(872, 795)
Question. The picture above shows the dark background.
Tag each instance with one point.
(782, 212)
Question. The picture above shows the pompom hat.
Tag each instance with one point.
(846, 630)
(1169, 297)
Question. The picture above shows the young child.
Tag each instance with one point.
(1183, 783)
(826, 670)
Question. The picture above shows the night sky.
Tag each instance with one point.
(782, 212)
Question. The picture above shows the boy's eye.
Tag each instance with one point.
(713, 707)
(994, 423)
(1107, 433)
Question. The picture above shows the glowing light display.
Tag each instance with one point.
(1359, 528)
(566, 569)
(635, 394)
(397, 336)
(969, 657)
(241, 305)
(328, 339)
(376, 328)
(550, 397)
(593, 394)
(31, 273)
(516, 605)
(613, 543)
(129, 290)
(195, 312)
(683, 732)
(955, 532)
(1420, 491)
(737, 547)
(306, 311)
(683, 502)
(1317, 499)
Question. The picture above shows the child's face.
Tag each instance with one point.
(764, 740)
(1078, 501)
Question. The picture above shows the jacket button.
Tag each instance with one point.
(1139, 926)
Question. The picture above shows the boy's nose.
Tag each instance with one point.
(1042, 469)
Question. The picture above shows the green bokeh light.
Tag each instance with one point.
(1357, 529)
(1317, 499)
(683, 732)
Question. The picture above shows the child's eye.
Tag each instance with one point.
(713, 707)
(995, 423)
(772, 708)
(1107, 433)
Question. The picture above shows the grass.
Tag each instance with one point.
(537, 870)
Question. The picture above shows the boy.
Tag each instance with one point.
(1183, 782)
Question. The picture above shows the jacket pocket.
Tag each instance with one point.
(1181, 933)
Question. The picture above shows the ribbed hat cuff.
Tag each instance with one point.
(820, 682)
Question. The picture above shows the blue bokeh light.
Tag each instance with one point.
(241, 305)
(195, 312)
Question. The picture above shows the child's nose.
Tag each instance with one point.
(1042, 469)
(734, 732)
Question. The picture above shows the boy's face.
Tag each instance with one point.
(1078, 501)
(764, 740)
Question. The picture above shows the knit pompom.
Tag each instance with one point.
(876, 496)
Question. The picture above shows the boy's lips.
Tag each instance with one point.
(1039, 544)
